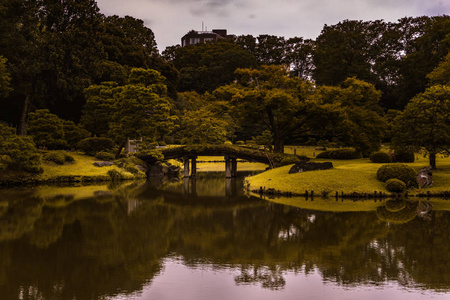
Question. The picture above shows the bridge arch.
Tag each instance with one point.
(190, 153)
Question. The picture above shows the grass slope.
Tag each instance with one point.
(358, 175)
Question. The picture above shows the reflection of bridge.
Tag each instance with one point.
(190, 153)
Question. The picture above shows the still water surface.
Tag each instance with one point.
(205, 239)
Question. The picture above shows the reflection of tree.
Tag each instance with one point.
(270, 278)
(91, 249)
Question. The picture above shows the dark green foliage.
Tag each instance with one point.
(404, 155)
(73, 133)
(4, 78)
(398, 171)
(130, 164)
(380, 157)
(58, 157)
(343, 154)
(115, 175)
(206, 66)
(18, 152)
(395, 185)
(91, 146)
(46, 129)
(239, 143)
(103, 155)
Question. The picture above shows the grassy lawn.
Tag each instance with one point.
(83, 166)
(358, 175)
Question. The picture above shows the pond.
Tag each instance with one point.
(205, 239)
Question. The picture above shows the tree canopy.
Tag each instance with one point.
(425, 122)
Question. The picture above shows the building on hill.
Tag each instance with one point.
(195, 37)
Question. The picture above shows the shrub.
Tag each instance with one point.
(58, 157)
(343, 154)
(404, 155)
(228, 143)
(398, 171)
(239, 143)
(103, 155)
(380, 157)
(115, 175)
(55, 156)
(395, 185)
(93, 145)
(18, 152)
(324, 154)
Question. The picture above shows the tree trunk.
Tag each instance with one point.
(22, 130)
(433, 160)
(278, 142)
(119, 151)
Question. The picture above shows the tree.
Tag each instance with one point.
(203, 127)
(46, 129)
(349, 113)
(426, 49)
(425, 122)
(346, 50)
(269, 95)
(441, 74)
(53, 49)
(206, 66)
(139, 109)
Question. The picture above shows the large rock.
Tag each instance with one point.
(103, 163)
(425, 177)
(304, 166)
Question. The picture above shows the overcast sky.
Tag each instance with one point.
(171, 19)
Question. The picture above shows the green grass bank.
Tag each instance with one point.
(348, 176)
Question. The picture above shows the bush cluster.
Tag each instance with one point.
(343, 154)
(398, 171)
(18, 152)
(380, 157)
(58, 157)
(403, 155)
(395, 186)
(94, 145)
(103, 155)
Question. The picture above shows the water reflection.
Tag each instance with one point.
(60, 245)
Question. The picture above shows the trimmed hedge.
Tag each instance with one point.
(344, 154)
(395, 186)
(102, 155)
(380, 157)
(398, 171)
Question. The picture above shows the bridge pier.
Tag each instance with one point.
(230, 167)
(186, 167)
(193, 172)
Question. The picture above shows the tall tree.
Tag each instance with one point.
(426, 49)
(425, 122)
(349, 113)
(206, 66)
(52, 48)
(346, 49)
(139, 109)
(270, 95)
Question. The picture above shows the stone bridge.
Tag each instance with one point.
(190, 153)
